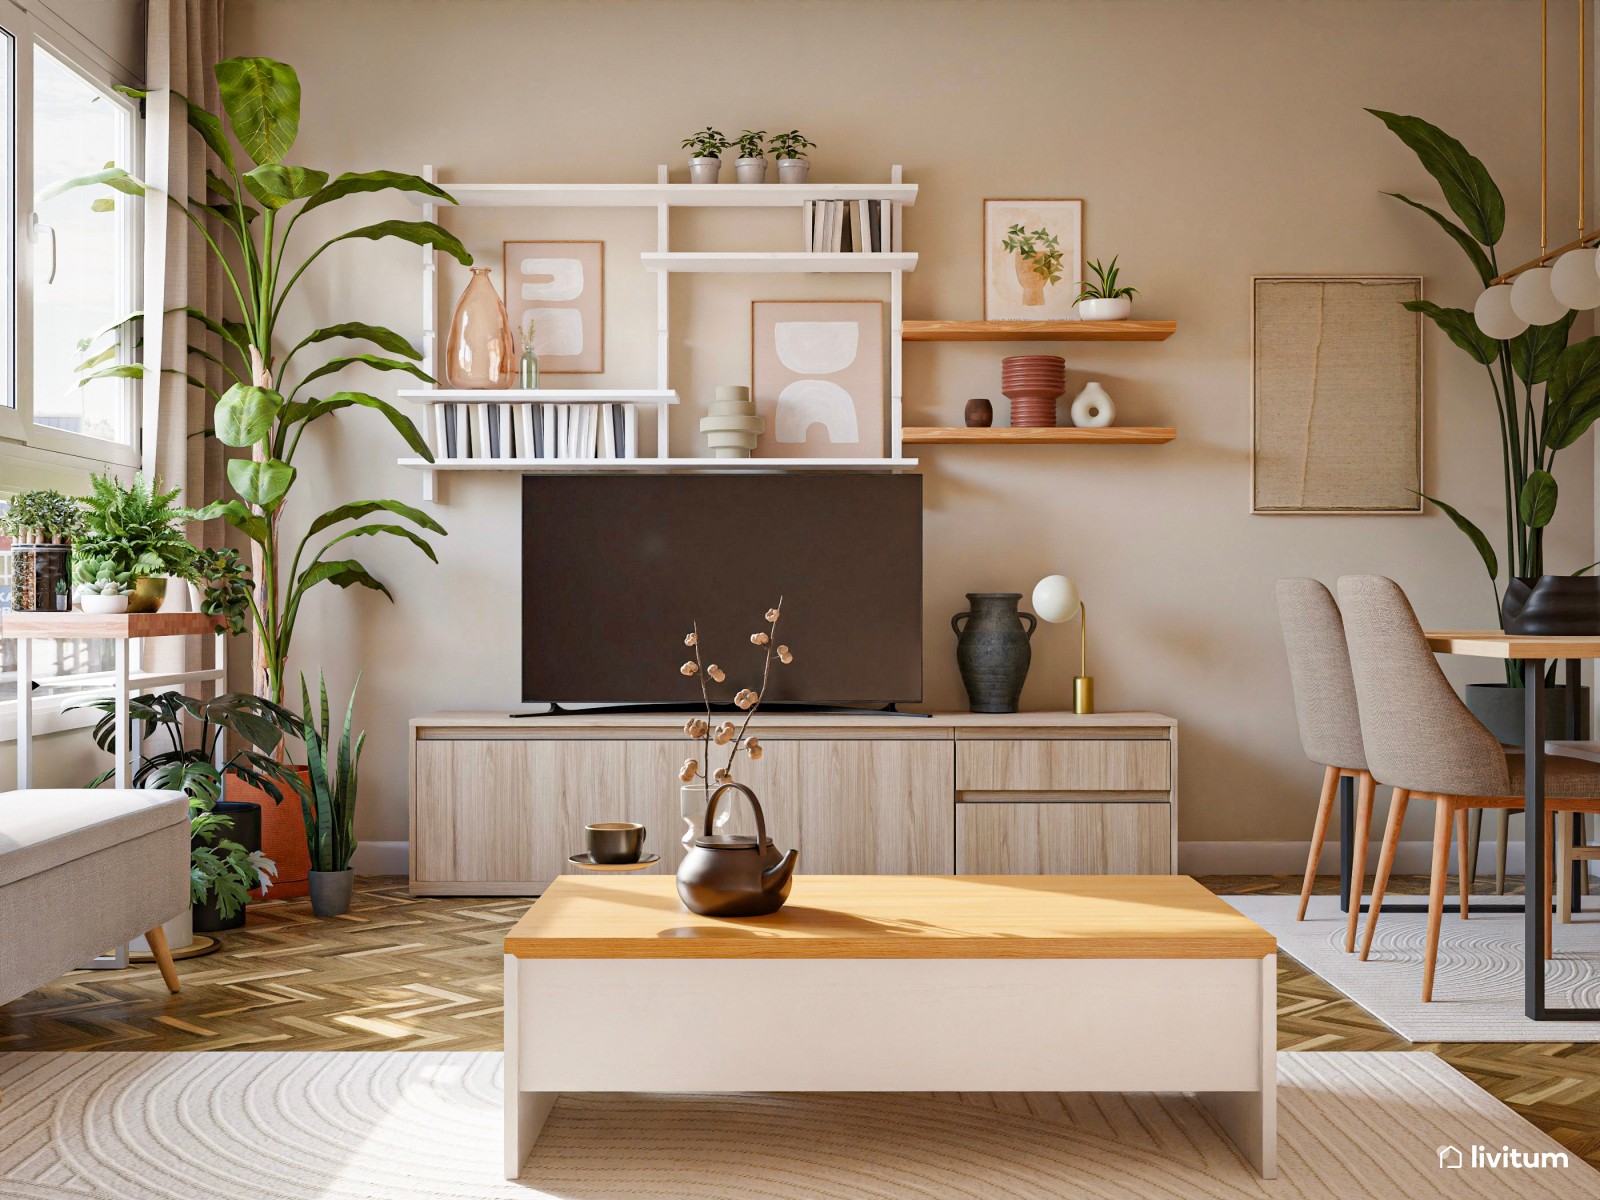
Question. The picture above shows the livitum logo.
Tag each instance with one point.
(1453, 1158)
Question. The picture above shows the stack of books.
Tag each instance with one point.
(848, 226)
(526, 430)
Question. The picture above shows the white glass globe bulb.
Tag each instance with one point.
(1055, 599)
(1532, 299)
(1575, 279)
(1494, 313)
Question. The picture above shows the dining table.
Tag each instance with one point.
(1535, 654)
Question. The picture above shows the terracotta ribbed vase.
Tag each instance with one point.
(1033, 382)
(481, 352)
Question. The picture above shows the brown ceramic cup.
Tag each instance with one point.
(614, 842)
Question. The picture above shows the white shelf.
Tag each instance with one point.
(676, 195)
(537, 396)
(568, 465)
(759, 262)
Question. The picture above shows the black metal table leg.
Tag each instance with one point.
(1574, 681)
(1533, 838)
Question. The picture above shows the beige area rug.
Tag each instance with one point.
(397, 1126)
(1477, 985)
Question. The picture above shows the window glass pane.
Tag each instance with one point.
(77, 129)
(8, 193)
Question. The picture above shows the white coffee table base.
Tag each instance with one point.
(1206, 1026)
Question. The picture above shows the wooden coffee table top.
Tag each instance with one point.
(897, 916)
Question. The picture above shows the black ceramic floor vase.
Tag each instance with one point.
(993, 650)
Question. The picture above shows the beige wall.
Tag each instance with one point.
(1209, 140)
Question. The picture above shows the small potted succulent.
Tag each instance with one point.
(102, 588)
(1101, 299)
(1037, 256)
(751, 166)
(791, 150)
(41, 526)
(705, 155)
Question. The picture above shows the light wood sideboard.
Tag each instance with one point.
(498, 802)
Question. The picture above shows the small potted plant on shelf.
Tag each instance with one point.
(1101, 299)
(224, 585)
(751, 166)
(41, 525)
(140, 530)
(329, 803)
(791, 150)
(1037, 256)
(104, 589)
(705, 155)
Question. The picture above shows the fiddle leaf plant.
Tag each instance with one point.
(266, 409)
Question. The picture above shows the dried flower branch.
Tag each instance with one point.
(759, 639)
(689, 668)
(694, 727)
(784, 656)
(691, 768)
(716, 673)
(725, 733)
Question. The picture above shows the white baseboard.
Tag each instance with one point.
(1289, 858)
(386, 858)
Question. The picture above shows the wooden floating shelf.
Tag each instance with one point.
(773, 263)
(660, 465)
(675, 195)
(1110, 435)
(1038, 331)
(537, 396)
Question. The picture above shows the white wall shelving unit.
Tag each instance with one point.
(663, 261)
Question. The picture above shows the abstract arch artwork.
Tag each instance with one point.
(816, 372)
(561, 287)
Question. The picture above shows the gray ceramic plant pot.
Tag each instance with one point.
(750, 170)
(793, 170)
(331, 891)
(704, 170)
(1500, 708)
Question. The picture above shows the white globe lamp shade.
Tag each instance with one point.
(1056, 599)
(1575, 279)
(1495, 315)
(1532, 299)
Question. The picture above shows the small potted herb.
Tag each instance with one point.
(1101, 299)
(139, 528)
(102, 587)
(1037, 255)
(705, 155)
(752, 164)
(41, 526)
(791, 150)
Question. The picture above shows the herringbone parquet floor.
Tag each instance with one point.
(399, 973)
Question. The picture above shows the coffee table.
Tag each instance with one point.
(1010, 983)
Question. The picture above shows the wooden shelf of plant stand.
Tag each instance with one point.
(1110, 435)
(1038, 331)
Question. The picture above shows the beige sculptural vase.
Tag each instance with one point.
(482, 351)
(1032, 282)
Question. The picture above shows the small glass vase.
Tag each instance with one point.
(482, 351)
(692, 799)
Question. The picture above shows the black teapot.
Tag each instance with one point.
(735, 875)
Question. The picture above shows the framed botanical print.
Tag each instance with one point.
(560, 288)
(1336, 394)
(816, 375)
(1032, 259)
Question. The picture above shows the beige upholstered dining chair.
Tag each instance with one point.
(1421, 740)
(1330, 729)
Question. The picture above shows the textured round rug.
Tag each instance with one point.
(398, 1126)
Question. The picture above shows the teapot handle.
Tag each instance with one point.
(755, 805)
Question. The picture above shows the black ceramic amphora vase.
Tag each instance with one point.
(993, 650)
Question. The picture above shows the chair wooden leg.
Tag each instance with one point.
(1330, 786)
(1502, 834)
(1463, 865)
(157, 938)
(1549, 876)
(1436, 884)
(1474, 838)
(1565, 823)
(1365, 787)
(1391, 839)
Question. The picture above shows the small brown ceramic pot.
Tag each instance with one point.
(980, 414)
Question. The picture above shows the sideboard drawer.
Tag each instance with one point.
(1064, 838)
(1064, 765)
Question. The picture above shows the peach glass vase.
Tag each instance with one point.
(482, 351)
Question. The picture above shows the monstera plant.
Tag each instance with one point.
(1546, 392)
(247, 218)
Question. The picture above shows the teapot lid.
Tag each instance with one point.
(728, 841)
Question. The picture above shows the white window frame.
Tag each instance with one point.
(18, 430)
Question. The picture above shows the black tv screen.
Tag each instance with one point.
(616, 569)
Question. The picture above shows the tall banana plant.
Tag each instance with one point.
(267, 408)
(1546, 392)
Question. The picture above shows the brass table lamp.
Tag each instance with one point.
(1056, 599)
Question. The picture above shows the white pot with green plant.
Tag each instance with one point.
(329, 802)
(1103, 298)
(705, 155)
(42, 526)
(751, 166)
(1036, 254)
(139, 530)
(102, 587)
(790, 149)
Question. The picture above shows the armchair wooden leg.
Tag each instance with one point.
(1502, 834)
(1365, 787)
(1330, 785)
(1391, 840)
(1564, 827)
(1441, 872)
(157, 938)
(1549, 878)
(1474, 839)
(1463, 858)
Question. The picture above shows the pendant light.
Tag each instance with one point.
(1575, 279)
(1495, 316)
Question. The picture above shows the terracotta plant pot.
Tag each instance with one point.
(283, 835)
(1033, 283)
(1033, 382)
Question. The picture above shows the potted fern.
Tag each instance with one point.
(139, 530)
(328, 803)
(1102, 298)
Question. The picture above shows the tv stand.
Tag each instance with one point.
(691, 709)
(499, 802)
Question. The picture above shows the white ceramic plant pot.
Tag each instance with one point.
(1093, 408)
(704, 170)
(1105, 310)
(793, 170)
(750, 170)
(102, 605)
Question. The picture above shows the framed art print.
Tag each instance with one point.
(816, 375)
(560, 286)
(1336, 394)
(1032, 259)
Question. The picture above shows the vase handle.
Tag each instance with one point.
(955, 622)
(1033, 623)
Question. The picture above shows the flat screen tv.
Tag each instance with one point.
(617, 568)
